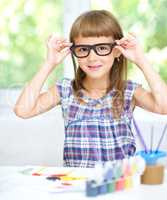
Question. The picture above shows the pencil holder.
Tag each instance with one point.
(154, 171)
(153, 175)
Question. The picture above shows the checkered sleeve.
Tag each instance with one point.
(65, 90)
(129, 93)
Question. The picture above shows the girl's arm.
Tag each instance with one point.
(31, 101)
(156, 99)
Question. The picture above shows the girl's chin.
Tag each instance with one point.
(96, 75)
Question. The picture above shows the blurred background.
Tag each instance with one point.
(24, 28)
(26, 24)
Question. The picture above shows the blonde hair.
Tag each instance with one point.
(98, 23)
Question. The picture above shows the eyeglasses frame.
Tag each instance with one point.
(90, 47)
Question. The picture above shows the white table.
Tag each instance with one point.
(16, 186)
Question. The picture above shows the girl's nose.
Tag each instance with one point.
(92, 55)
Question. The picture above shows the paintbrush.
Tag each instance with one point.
(151, 140)
(161, 138)
(140, 135)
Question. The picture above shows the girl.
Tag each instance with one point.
(98, 104)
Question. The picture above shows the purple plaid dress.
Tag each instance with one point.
(91, 132)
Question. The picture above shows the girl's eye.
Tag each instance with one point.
(82, 49)
(103, 48)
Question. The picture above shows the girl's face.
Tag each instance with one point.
(95, 66)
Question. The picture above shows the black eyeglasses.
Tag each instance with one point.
(101, 49)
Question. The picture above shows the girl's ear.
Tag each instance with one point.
(116, 53)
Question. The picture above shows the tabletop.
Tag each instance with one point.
(16, 183)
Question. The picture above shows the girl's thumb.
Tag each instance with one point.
(66, 51)
(121, 49)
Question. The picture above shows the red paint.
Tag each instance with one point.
(120, 184)
(36, 174)
(66, 184)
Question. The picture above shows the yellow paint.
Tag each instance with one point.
(128, 182)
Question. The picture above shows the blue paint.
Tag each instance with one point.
(91, 188)
(108, 175)
(102, 188)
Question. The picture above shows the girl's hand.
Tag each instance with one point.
(129, 46)
(58, 49)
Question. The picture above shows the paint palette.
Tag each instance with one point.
(115, 176)
(56, 179)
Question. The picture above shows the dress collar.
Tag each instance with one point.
(91, 101)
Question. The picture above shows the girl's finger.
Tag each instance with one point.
(123, 40)
(61, 46)
(123, 43)
(66, 51)
(127, 42)
(55, 37)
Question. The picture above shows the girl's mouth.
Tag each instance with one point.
(94, 67)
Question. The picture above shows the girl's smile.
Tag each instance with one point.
(94, 67)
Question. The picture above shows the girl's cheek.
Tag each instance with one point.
(81, 62)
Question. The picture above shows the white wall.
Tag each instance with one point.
(37, 141)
